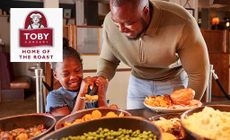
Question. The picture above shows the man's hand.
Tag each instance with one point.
(102, 84)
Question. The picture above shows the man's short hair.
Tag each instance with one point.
(140, 4)
(118, 3)
(67, 52)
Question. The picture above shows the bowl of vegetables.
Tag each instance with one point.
(109, 129)
(170, 125)
(89, 114)
(26, 126)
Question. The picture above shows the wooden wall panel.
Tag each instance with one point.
(218, 47)
(216, 40)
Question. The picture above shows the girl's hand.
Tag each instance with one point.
(85, 84)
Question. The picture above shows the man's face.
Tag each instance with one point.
(129, 20)
(69, 73)
(36, 19)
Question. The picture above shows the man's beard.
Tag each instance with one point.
(144, 25)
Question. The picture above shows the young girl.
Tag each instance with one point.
(68, 98)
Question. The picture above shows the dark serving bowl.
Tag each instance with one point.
(181, 134)
(133, 123)
(194, 135)
(166, 116)
(27, 121)
(79, 114)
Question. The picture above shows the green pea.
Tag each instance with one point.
(120, 134)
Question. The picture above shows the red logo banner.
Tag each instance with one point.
(36, 37)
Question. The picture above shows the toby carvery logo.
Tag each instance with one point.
(36, 31)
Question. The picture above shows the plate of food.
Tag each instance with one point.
(179, 101)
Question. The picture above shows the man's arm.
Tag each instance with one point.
(107, 62)
(193, 54)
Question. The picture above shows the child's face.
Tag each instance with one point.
(69, 73)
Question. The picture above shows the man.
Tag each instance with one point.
(35, 21)
(161, 42)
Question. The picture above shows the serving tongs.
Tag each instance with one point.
(93, 91)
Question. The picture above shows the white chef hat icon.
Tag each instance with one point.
(35, 15)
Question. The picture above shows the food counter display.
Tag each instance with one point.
(108, 123)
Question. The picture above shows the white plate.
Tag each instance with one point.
(168, 110)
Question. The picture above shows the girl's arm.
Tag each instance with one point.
(61, 111)
(80, 103)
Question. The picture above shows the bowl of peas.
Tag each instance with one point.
(126, 128)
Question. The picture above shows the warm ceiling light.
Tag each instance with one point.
(215, 20)
(227, 24)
